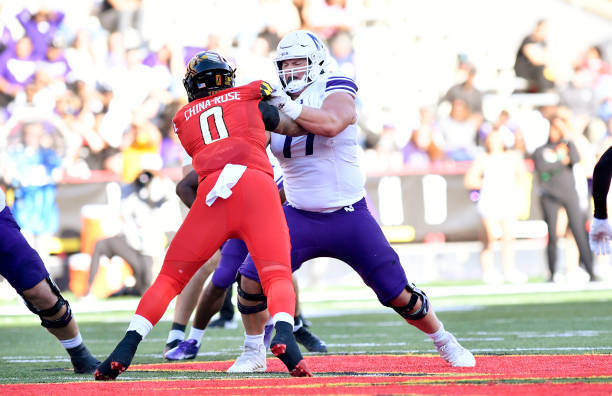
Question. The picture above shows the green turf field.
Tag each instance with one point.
(538, 323)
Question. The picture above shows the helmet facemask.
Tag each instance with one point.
(290, 78)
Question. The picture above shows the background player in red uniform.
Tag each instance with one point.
(224, 130)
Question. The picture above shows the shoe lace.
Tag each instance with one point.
(450, 348)
(187, 344)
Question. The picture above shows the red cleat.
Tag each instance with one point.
(278, 349)
(116, 369)
(301, 370)
(120, 359)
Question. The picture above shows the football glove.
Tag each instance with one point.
(600, 235)
(283, 102)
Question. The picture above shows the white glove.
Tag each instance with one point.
(277, 98)
(284, 103)
(600, 235)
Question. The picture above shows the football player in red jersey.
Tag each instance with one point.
(224, 130)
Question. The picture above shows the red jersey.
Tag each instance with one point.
(225, 128)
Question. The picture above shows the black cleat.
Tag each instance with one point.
(224, 323)
(82, 360)
(311, 342)
(120, 359)
(284, 347)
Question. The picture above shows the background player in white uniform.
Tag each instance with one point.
(326, 211)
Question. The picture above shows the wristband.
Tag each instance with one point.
(292, 109)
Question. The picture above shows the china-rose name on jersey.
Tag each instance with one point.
(203, 125)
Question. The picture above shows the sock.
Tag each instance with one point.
(282, 317)
(73, 342)
(178, 326)
(176, 333)
(440, 337)
(196, 334)
(254, 341)
(140, 325)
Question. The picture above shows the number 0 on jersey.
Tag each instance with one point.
(212, 125)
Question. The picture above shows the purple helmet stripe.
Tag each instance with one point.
(314, 39)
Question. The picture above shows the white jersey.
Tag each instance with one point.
(322, 174)
(2, 200)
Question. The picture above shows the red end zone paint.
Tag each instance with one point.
(525, 366)
(367, 374)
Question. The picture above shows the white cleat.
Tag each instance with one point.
(455, 354)
(252, 360)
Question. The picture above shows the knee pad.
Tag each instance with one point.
(405, 310)
(250, 309)
(43, 313)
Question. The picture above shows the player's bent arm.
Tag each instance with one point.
(187, 188)
(601, 184)
(279, 122)
(337, 112)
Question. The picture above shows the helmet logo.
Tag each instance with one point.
(312, 36)
(218, 79)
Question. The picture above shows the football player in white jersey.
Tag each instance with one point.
(24, 270)
(326, 210)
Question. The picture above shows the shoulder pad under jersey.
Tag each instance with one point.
(265, 89)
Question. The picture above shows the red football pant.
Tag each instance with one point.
(252, 213)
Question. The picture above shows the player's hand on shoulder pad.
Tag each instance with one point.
(600, 235)
(278, 98)
(284, 103)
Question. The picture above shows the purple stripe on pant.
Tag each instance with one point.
(351, 235)
(19, 263)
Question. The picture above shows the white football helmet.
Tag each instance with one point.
(295, 45)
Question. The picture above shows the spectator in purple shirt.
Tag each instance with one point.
(6, 39)
(17, 67)
(54, 62)
(40, 27)
(421, 149)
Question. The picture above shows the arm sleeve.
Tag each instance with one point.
(340, 83)
(24, 17)
(601, 184)
(270, 116)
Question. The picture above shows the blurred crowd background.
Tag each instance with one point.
(88, 88)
